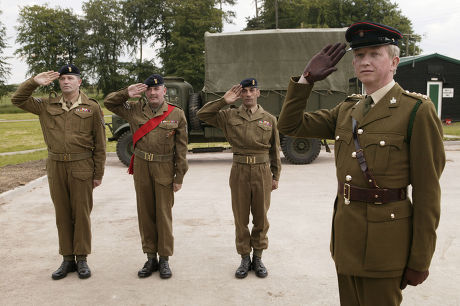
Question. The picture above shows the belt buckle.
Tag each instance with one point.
(148, 156)
(346, 193)
(66, 156)
(250, 159)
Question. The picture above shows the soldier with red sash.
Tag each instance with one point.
(158, 164)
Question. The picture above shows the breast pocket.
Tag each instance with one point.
(53, 116)
(382, 150)
(341, 146)
(236, 129)
(389, 234)
(83, 122)
(167, 131)
(264, 132)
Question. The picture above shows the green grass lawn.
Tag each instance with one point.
(452, 129)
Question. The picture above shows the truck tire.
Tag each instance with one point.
(194, 105)
(125, 147)
(300, 150)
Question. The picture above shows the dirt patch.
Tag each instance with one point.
(12, 176)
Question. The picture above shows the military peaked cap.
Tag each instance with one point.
(249, 82)
(154, 80)
(69, 69)
(366, 34)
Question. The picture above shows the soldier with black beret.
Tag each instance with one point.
(159, 164)
(74, 132)
(255, 171)
(382, 239)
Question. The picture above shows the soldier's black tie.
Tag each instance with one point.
(367, 104)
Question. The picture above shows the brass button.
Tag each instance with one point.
(376, 196)
(347, 201)
(360, 131)
(382, 143)
(353, 154)
(348, 178)
(392, 215)
(337, 137)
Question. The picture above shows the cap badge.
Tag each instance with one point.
(156, 81)
(253, 82)
(70, 69)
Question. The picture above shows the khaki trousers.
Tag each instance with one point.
(155, 199)
(365, 291)
(71, 189)
(251, 187)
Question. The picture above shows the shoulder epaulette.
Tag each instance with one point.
(415, 95)
(178, 106)
(354, 98)
(94, 100)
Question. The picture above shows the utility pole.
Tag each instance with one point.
(276, 14)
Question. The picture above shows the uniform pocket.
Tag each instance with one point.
(167, 131)
(380, 149)
(389, 235)
(82, 175)
(83, 121)
(237, 130)
(342, 141)
(53, 113)
(264, 131)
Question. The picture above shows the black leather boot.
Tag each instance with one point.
(244, 267)
(165, 271)
(259, 267)
(83, 269)
(66, 267)
(150, 266)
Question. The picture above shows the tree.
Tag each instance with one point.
(49, 38)
(104, 43)
(4, 66)
(335, 14)
(182, 39)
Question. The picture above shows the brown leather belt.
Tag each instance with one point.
(371, 195)
(251, 159)
(69, 156)
(153, 156)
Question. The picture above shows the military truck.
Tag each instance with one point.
(270, 56)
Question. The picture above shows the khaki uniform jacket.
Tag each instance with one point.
(255, 135)
(372, 240)
(79, 130)
(169, 137)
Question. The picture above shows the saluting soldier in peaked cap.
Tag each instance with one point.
(159, 164)
(256, 167)
(74, 132)
(385, 141)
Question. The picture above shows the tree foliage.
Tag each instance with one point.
(104, 43)
(335, 14)
(49, 38)
(4, 66)
(182, 51)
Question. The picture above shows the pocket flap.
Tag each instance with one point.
(265, 125)
(235, 121)
(383, 140)
(389, 212)
(83, 115)
(55, 110)
(164, 181)
(168, 125)
(82, 175)
(342, 135)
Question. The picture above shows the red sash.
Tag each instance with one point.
(144, 129)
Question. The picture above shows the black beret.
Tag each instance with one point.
(249, 82)
(367, 34)
(69, 69)
(154, 80)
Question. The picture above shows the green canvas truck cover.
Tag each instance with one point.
(272, 57)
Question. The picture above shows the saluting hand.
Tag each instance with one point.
(233, 94)
(46, 78)
(135, 90)
(323, 63)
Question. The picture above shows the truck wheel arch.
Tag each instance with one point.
(125, 147)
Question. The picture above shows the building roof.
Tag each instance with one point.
(407, 60)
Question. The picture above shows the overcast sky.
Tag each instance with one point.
(436, 20)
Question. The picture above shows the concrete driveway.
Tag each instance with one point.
(301, 271)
